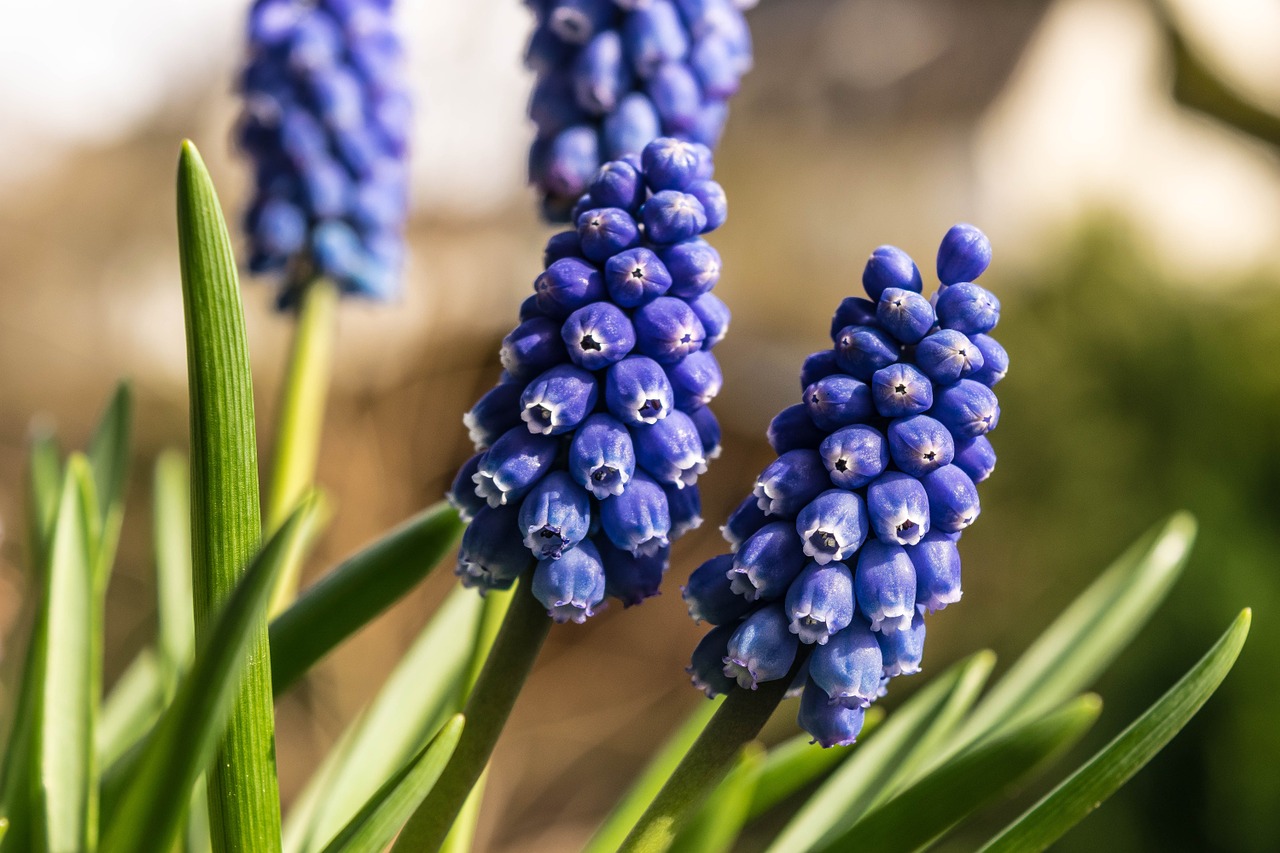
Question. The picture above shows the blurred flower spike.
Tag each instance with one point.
(850, 535)
(590, 446)
(326, 123)
(612, 75)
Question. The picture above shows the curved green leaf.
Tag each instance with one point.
(376, 825)
(131, 709)
(1087, 788)
(967, 782)
(720, 819)
(875, 766)
(109, 458)
(147, 818)
(358, 590)
(171, 544)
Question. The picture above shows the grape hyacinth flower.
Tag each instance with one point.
(326, 122)
(850, 535)
(613, 75)
(590, 446)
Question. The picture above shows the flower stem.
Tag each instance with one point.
(711, 757)
(300, 419)
(524, 630)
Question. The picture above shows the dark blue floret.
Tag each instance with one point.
(709, 596)
(853, 529)
(325, 122)
(964, 254)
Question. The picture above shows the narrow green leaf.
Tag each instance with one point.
(795, 763)
(4, 829)
(1087, 788)
(876, 765)
(44, 488)
(357, 591)
(1089, 634)
(376, 825)
(73, 599)
(967, 783)
(131, 709)
(719, 821)
(628, 810)
(244, 797)
(109, 458)
(151, 807)
(171, 543)
(411, 706)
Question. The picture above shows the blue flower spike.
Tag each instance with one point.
(325, 123)
(594, 439)
(850, 535)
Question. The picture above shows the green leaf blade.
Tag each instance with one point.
(157, 792)
(244, 798)
(376, 825)
(967, 782)
(109, 459)
(1129, 752)
(171, 544)
(357, 591)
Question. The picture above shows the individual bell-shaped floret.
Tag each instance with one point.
(676, 96)
(793, 429)
(862, 350)
(694, 266)
(685, 506)
(900, 390)
(709, 595)
(494, 413)
(976, 457)
(513, 465)
(829, 724)
(745, 520)
(818, 365)
(706, 668)
(462, 494)
(714, 316)
(639, 519)
(671, 216)
(667, 329)
(852, 312)
(885, 585)
(630, 578)
(906, 315)
(967, 408)
(767, 562)
(533, 347)
(670, 450)
(704, 420)
(715, 204)
(838, 401)
(558, 400)
(555, 516)
(617, 184)
(674, 164)
(947, 356)
(995, 361)
(898, 508)
(604, 232)
(598, 335)
(567, 285)
(848, 667)
(568, 161)
(854, 456)
(919, 444)
(762, 649)
(902, 648)
(964, 254)
(602, 458)
(968, 308)
(572, 586)
(696, 380)
(820, 602)
(953, 499)
(654, 35)
(636, 277)
(630, 126)
(790, 482)
(937, 565)
(601, 74)
(889, 267)
(637, 391)
(492, 555)
(833, 526)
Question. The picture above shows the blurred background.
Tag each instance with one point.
(1137, 240)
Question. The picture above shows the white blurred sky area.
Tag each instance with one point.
(1085, 119)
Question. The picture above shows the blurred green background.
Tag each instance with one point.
(1137, 256)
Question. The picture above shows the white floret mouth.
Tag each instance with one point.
(741, 583)
(896, 618)
(650, 546)
(823, 546)
(488, 487)
(908, 530)
(688, 469)
(648, 410)
(474, 430)
(740, 671)
(606, 481)
(810, 628)
(764, 499)
(542, 418)
(570, 611)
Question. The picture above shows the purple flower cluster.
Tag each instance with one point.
(850, 535)
(615, 74)
(590, 445)
(326, 122)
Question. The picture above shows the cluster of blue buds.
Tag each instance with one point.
(614, 74)
(850, 535)
(326, 122)
(590, 445)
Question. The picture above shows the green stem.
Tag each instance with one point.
(524, 629)
(300, 419)
(712, 756)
